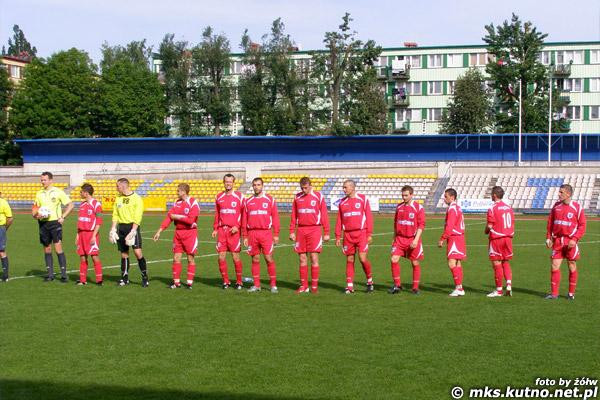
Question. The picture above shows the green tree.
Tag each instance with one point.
(282, 106)
(345, 59)
(137, 52)
(363, 106)
(514, 47)
(254, 100)
(9, 153)
(57, 97)
(212, 94)
(470, 109)
(130, 98)
(176, 71)
(19, 44)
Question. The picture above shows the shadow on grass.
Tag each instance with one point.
(41, 390)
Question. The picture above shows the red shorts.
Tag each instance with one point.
(84, 248)
(308, 239)
(456, 248)
(185, 241)
(355, 241)
(560, 249)
(260, 241)
(401, 247)
(500, 249)
(227, 241)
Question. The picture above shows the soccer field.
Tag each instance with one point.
(62, 341)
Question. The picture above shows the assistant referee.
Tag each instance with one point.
(127, 218)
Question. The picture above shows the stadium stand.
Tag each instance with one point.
(22, 194)
(525, 191)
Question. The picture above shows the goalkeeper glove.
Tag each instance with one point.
(113, 236)
(130, 238)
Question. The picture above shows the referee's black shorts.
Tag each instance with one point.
(123, 230)
(50, 232)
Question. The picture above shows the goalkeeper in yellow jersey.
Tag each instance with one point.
(125, 230)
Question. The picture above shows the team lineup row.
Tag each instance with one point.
(254, 221)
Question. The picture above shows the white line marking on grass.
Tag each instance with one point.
(119, 265)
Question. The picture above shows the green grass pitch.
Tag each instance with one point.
(61, 341)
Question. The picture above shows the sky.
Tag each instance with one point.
(54, 25)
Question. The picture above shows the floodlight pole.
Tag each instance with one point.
(580, 125)
(520, 119)
(550, 123)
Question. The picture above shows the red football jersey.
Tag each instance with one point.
(190, 208)
(502, 218)
(566, 220)
(90, 215)
(309, 210)
(354, 213)
(228, 209)
(260, 212)
(408, 219)
(455, 222)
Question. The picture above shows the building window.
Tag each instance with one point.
(412, 88)
(414, 61)
(236, 67)
(451, 87)
(415, 114)
(595, 112)
(434, 114)
(572, 112)
(595, 56)
(569, 57)
(569, 85)
(477, 59)
(544, 57)
(435, 61)
(434, 87)
(455, 60)
(15, 71)
(402, 115)
(381, 61)
(595, 85)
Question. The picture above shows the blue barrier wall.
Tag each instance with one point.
(497, 147)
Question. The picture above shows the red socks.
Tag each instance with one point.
(349, 274)
(416, 276)
(272, 273)
(191, 271)
(368, 273)
(83, 267)
(396, 273)
(238, 271)
(256, 273)
(457, 275)
(498, 276)
(555, 281)
(314, 274)
(98, 270)
(304, 276)
(176, 272)
(223, 271)
(507, 271)
(572, 281)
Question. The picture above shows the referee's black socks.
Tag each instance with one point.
(143, 268)
(49, 264)
(62, 262)
(4, 268)
(125, 269)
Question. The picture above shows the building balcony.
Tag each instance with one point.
(401, 74)
(561, 70)
(399, 101)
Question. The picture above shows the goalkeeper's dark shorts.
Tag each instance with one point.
(50, 232)
(123, 230)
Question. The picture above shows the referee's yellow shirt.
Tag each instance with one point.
(5, 211)
(53, 199)
(128, 209)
